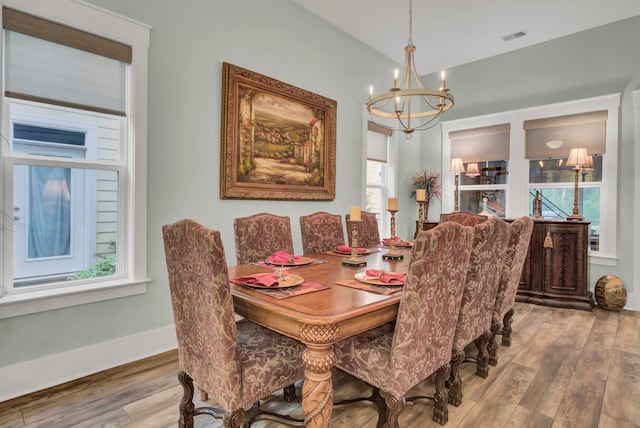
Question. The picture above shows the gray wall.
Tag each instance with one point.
(189, 42)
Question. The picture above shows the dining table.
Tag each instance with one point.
(324, 316)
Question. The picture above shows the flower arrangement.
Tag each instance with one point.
(427, 179)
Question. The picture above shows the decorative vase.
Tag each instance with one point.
(610, 293)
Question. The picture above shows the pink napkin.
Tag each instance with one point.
(396, 239)
(347, 249)
(264, 279)
(385, 276)
(282, 257)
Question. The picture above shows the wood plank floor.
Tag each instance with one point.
(565, 368)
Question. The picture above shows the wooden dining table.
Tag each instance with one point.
(321, 318)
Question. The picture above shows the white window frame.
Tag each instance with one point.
(517, 200)
(132, 252)
(391, 184)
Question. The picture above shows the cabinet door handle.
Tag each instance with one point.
(548, 241)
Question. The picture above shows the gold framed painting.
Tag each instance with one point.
(278, 141)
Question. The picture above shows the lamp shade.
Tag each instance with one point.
(589, 166)
(472, 170)
(456, 166)
(578, 157)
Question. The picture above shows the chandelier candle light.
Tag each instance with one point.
(457, 168)
(392, 254)
(411, 101)
(355, 216)
(578, 158)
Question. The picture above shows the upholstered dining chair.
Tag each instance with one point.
(465, 218)
(260, 235)
(395, 358)
(515, 256)
(368, 233)
(478, 300)
(238, 364)
(321, 232)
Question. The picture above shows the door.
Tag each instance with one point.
(49, 220)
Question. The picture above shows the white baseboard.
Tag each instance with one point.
(34, 375)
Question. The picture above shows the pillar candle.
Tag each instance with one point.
(421, 195)
(354, 214)
(392, 204)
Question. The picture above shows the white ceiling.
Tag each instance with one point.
(448, 33)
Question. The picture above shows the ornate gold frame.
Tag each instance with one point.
(278, 141)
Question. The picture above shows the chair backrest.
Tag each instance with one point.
(203, 309)
(464, 218)
(514, 258)
(260, 235)
(368, 234)
(430, 304)
(483, 276)
(320, 232)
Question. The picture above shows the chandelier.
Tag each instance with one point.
(415, 107)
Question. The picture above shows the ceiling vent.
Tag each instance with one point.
(515, 35)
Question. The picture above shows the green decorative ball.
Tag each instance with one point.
(610, 293)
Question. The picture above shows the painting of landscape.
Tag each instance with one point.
(278, 140)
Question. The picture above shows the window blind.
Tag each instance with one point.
(488, 143)
(555, 136)
(377, 142)
(55, 64)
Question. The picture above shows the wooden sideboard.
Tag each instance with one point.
(555, 273)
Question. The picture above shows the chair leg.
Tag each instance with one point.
(506, 328)
(455, 381)
(441, 396)
(482, 368)
(186, 404)
(204, 395)
(394, 406)
(492, 346)
(233, 420)
(289, 393)
(377, 399)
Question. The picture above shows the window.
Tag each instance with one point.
(377, 174)
(534, 158)
(73, 230)
(547, 145)
(485, 156)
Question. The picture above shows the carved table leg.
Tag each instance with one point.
(318, 358)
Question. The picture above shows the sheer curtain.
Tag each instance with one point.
(49, 212)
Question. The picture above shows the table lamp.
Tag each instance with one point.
(578, 158)
(472, 170)
(457, 168)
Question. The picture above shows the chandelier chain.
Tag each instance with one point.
(410, 22)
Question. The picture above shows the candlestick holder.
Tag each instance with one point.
(354, 260)
(393, 254)
(420, 212)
